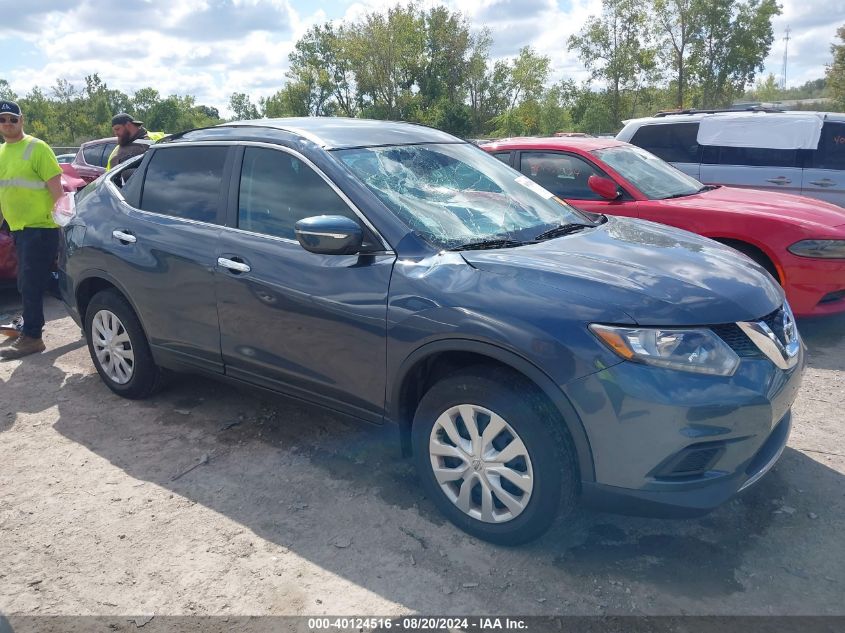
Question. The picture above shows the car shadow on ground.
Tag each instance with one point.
(277, 466)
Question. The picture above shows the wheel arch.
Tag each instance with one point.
(755, 251)
(426, 365)
(95, 282)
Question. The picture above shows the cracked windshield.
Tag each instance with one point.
(454, 195)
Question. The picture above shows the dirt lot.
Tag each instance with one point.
(293, 510)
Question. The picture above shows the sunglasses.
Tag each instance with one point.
(11, 119)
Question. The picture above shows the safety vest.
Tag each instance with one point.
(152, 137)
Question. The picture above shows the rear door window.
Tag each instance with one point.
(185, 182)
(673, 142)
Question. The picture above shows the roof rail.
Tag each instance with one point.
(664, 113)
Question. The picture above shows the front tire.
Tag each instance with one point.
(119, 347)
(492, 455)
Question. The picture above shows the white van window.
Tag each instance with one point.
(673, 142)
(831, 152)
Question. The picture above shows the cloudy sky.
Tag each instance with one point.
(212, 48)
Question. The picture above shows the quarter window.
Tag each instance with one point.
(277, 190)
(562, 174)
(831, 151)
(505, 157)
(673, 142)
(185, 182)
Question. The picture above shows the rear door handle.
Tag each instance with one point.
(124, 236)
(824, 182)
(780, 180)
(238, 267)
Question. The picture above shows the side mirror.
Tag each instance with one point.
(605, 187)
(329, 235)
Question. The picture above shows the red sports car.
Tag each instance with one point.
(8, 255)
(799, 241)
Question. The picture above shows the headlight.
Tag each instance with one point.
(818, 248)
(698, 350)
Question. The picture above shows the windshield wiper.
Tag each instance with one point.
(563, 229)
(485, 244)
(680, 195)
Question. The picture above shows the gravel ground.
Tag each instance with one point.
(211, 500)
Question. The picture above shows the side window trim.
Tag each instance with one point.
(234, 183)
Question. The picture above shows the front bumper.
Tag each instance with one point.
(814, 287)
(690, 500)
(671, 444)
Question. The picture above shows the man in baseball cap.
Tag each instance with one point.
(30, 185)
(132, 138)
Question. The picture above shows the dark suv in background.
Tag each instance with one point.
(526, 352)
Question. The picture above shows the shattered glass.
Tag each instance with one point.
(454, 194)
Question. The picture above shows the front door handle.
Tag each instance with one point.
(780, 180)
(124, 236)
(824, 182)
(238, 267)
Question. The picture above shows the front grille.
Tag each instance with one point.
(739, 342)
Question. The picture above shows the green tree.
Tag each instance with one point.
(386, 50)
(242, 108)
(767, 89)
(322, 70)
(679, 21)
(527, 76)
(616, 48)
(487, 86)
(735, 39)
(6, 92)
(836, 70)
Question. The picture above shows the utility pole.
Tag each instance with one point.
(785, 54)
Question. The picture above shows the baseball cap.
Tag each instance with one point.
(123, 119)
(10, 107)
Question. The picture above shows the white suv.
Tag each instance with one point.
(793, 152)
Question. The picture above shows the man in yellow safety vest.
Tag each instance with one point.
(30, 185)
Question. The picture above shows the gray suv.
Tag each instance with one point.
(526, 353)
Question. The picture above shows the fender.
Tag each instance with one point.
(573, 422)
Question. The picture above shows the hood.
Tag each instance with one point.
(753, 202)
(656, 274)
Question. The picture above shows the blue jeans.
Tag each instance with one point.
(37, 250)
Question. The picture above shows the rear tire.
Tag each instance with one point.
(493, 456)
(119, 347)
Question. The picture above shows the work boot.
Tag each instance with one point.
(6, 341)
(23, 346)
